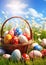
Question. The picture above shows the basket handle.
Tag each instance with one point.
(20, 18)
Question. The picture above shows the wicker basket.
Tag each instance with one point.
(22, 47)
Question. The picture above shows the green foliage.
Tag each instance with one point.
(38, 61)
(43, 34)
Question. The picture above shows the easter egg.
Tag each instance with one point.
(16, 55)
(1, 51)
(25, 56)
(34, 44)
(11, 32)
(27, 31)
(43, 52)
(22, 39)
(27, 36)
(7, 38)
(17, 31)
(15, 40)
(43, 42)
(35, 54)
(5, 33)
(38, 47)
(6, 56)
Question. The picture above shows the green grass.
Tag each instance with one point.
(37, 61)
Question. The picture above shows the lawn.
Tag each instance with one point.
(38, 61)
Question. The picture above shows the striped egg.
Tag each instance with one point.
(35, 53)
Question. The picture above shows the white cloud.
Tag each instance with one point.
(34, 13)
(3, 12)
(43, 19)
(27, 16)
(6, 16)
(16, 7)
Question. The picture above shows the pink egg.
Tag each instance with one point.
(35, 53)
(43, 42)
(27, 31)
(6, 56)
(22, 39)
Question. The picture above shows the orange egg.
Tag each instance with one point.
(7, 38)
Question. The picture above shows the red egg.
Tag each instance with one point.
(27, 36)
(43, 52)
(15, 40)
(25, 56)
(11, 32)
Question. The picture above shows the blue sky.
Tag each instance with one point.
(28, 9)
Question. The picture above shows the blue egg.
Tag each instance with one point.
(38, 47)
(16, 55)
(18, 31)
(1, 51)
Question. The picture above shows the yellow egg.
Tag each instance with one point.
(7, 38)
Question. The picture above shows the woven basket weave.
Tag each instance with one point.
(22, 47)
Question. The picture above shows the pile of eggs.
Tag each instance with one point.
(16, 36)
(17, 56)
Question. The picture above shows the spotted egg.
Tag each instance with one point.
(25, 56)
(16, 55)
(17, 31)
(22, 39)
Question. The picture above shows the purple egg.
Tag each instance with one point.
(1, 51)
